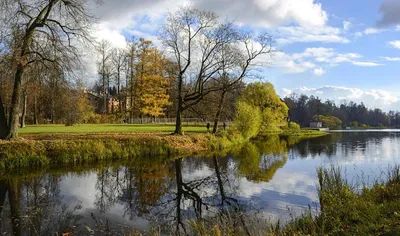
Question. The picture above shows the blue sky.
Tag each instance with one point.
(334, 49)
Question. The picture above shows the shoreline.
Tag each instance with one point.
(44, 150)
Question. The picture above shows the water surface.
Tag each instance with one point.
(273, 178)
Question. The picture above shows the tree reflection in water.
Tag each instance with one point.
(166, 193)
(33, 206)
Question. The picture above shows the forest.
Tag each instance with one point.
(304, 109)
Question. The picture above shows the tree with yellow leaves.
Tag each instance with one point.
(152, 81)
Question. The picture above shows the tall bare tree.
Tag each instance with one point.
(104, 64)
(119, 59)
(132, 50)
(196, 40)
(48, 33)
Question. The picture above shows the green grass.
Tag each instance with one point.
(351, 210)
(303, 133)
(108, 128)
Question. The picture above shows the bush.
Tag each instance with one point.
(294, 126)
(247, 120)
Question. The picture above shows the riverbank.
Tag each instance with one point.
(39, 148)
(53, 149)
(345, 210)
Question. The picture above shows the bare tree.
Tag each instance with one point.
(196, 40)
(104, 64)
(119, 59)
(48, 33)
(131, 73)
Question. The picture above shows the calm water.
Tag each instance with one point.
(273, 178)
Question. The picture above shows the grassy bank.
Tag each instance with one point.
(345, 210)
(77, 149)
(294, 133)
(40, 150)
(303, 133)
(54, 145)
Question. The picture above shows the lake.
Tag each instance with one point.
(273, 178)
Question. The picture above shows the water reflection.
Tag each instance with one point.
(267, 176)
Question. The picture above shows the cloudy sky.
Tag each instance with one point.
(339, 50)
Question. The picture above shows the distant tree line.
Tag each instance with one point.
(304, 109)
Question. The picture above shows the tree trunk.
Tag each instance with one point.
(217, 116)
(14, 200)
(35, 112)
(24, 110)
(3, 121)
(119, 92)
(3, 194)
(15, 103)
(220, 183)
(179, 110)
(178, 124)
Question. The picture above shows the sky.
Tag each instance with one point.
(335, 49)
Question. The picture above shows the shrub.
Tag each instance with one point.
(247, 120)
(294, 125)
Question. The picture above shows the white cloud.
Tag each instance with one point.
(391, 58)
(296, 34)
(368, 31)
(267, 13)
(373, 98)
(319, 71)
(291, 65)
(395, 44)
(366, 64)
(313, 60)
(346, 25)
(326, 57)
(122, 18)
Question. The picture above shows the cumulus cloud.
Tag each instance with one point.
(262, 13)
(267, 13)
(390, 13)
(119, 19)
(373, 98)
(395, 44)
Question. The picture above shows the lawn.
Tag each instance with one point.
(108, 128)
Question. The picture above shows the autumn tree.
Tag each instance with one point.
(48, 33)
(154, 84)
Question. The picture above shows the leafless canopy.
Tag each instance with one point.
(50, 32)
(204, 48)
